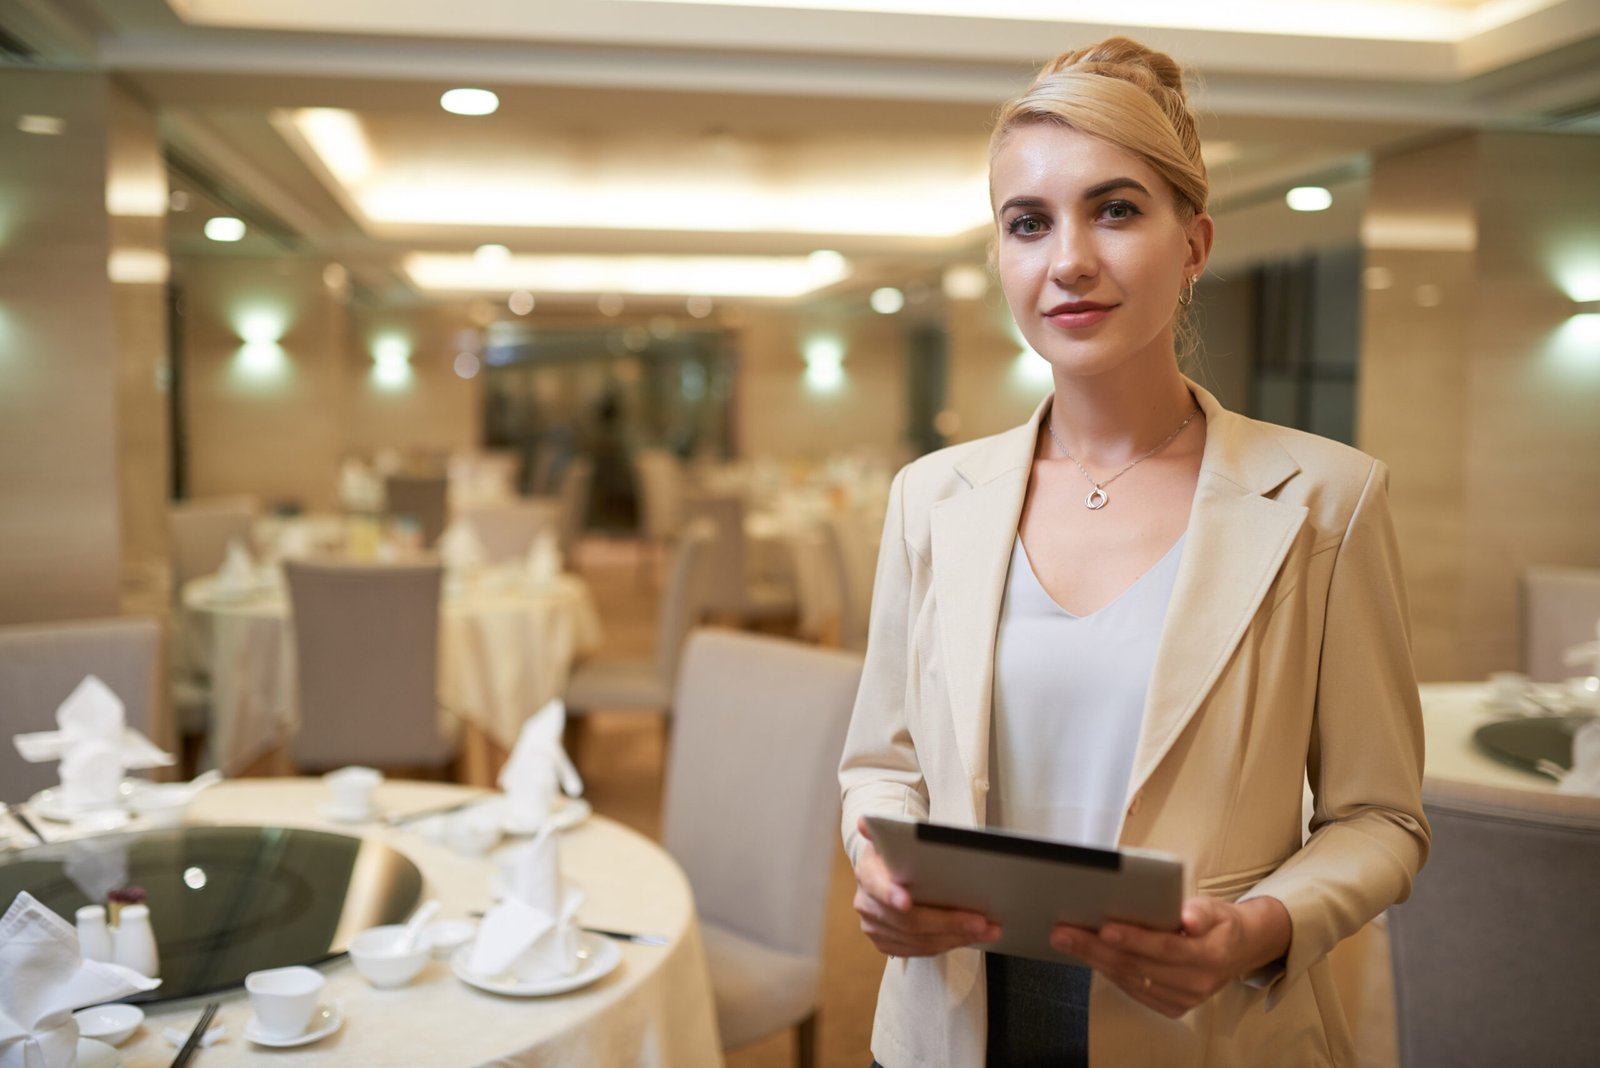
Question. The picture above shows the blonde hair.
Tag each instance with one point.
(1125, 94)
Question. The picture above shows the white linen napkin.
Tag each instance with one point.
(529, 931)
(238, 570)
(460, 548)
(537, 770)
(42, 980)
(296, 542)
(1584, 778)
(91, 718)
(543, 564)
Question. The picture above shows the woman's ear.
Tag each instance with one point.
(1197, 235)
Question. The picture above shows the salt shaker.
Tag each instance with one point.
(135, 941)
(94, 938)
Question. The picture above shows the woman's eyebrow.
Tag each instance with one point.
(1114, 183)
(1021, 202)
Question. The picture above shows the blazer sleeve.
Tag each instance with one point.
(879, 773)
(1369, 836)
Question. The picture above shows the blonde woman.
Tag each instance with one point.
(1138, 620)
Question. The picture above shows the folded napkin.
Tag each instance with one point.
(42, 980)
(530, 931)
(538, 769)
(1584, 778)
(238, 570)
(91, 718)
(459, 547)
(543, 564)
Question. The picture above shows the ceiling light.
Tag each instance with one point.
(470, 102)
(224, 228)
(698, 307)
(610, 305)
(520, 302)
(339, 140)
(887, 301)
(825, 259)
(47, 125)
(491, 255)
(1308, 198)
(616, 276)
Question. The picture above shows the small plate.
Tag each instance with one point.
(325, 1020)
(597, 957)
(51, 804)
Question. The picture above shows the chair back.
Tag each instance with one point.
(1560, 609)
(41, 664)
(752, 798)
(574, 497)
(366, 640)
(853, 560)
(507, 531)
(724, 589)
(683, 602)
(199, 532)
(659, 480)
(1494, 954)
(422, 498)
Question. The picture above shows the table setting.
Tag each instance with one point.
(364, 920)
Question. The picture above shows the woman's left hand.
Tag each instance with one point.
(1173, 972)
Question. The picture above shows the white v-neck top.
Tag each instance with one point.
(1069, 696)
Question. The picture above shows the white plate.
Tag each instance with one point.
(325, 1020)
(52, 805)
(597, 957)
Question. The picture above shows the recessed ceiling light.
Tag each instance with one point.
(178, 200)
(1308, 198)
(489, 255)
(470, 102)
(48, 125)
(520, 302)
(224, 228)
(887, 301)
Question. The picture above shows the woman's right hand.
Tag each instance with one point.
(900, 928)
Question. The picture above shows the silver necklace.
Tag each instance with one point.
(1098, 496)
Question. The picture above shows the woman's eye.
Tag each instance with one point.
(1026, 225)
(1118, 210)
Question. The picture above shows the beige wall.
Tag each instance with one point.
(1477, 392)
(59, 555)
(438, 412)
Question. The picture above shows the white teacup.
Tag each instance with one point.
(284, 999)
(352, 789)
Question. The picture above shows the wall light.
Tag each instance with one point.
(1586, 307)
(470, 102)
(887, 300)
(391, 367)
(824, 356)
(1029, 370)
(1308, 198)
(224, 228)
(260, 326)
(45, 125)
(262, 360)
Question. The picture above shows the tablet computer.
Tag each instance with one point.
(1027, 885)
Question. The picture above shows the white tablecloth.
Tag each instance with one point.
(655, 1009)
(1451, 712)
(505, 649)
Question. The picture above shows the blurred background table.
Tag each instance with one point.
(1451, 713)
(656, 1008)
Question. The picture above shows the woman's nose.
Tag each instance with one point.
(1073, 258)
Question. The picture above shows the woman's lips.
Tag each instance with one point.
(1078, 316)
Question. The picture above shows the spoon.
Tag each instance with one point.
(408, 937)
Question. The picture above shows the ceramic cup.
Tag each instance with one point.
(351, 789)
(284, 999)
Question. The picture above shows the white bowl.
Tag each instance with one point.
(447, 937)
(111, 1024)
(162, 804)
(379, 959)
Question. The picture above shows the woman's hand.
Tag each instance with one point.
(1173, 972)
(902, 929)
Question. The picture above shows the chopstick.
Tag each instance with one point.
(421, 814)
(621, 936)
(192, 1043)
(28, 825)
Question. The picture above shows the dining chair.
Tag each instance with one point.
(1494, 953)
(507, 531)
(41, 664)
(853, 565)
(732, 592)
(751, 814)
(199, 530)
(366, 642)
(658, 490)
(645, 684)
(1560, 609)
(574, 498)
(421, 498)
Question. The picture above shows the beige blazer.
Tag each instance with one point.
(1285, 654)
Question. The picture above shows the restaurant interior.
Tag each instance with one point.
(444, 450)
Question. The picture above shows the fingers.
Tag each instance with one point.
(1154, 968)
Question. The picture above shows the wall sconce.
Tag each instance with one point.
(391, 367)
(824, 356)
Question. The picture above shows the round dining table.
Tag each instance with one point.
(507, 645)
(655, 1008)
(1452, 712)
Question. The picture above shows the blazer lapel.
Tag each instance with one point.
(973, 533)
(1236, 542)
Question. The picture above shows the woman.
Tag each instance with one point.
(1137, 620)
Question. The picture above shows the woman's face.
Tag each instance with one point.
(1092, 253)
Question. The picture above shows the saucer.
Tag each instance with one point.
(346, 815)
(597, 957)
(325, 1020)
(51, 803)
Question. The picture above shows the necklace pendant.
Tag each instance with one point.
(1096, 499)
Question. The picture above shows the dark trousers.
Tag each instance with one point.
(1038, 1013)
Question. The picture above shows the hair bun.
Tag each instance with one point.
(1120, 57)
